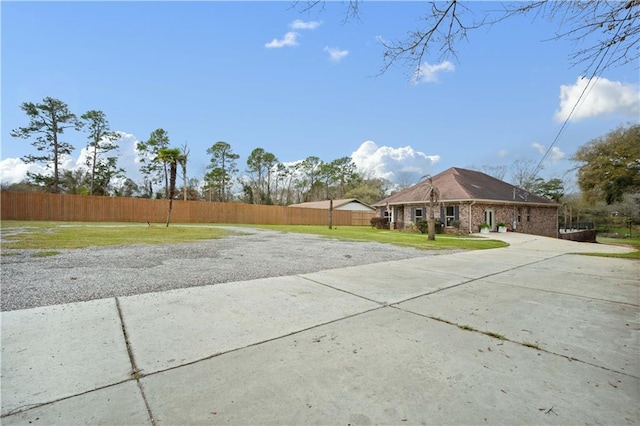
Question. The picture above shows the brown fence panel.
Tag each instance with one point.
(59, 207)
(362, 218)
(82, 208)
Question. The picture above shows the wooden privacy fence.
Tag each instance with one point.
(83, 208)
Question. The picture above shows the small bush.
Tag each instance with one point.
(379, 223)
(423, 226)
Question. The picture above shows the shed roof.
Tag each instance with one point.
(462, 185)
(326, 203)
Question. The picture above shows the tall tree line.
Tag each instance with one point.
(48, 122)
(608, 167)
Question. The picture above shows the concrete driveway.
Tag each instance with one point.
(528, 334)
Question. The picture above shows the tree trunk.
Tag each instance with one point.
(93, 169)
(184, 179)
(172, 189)
(330, 214)
(169, 211)
(166, 182)
(432, 221)
(54, 125)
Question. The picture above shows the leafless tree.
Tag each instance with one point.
(523, 173)
(184, 156)
(498, 172)
(405, 179)
(612, 25)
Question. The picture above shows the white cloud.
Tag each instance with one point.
(335, 54)
(540, 148)
(129, 157)
(394, 164)
(81, 162)
(381, 40)
(427, 73)
(14, 170)
(605, 97)
(302, 25)
(555, 154)
(502, 153)
(289, 39)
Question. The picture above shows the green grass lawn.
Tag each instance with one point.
(628, 242)
(70, 235)
(404, 239)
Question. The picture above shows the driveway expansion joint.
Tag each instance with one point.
(506, 339)
(469, 281)
(343, 291)
(135, 372)
(273, 339)
(562, 293)
(28, 407)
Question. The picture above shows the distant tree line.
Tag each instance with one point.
(264, 180)
(608, 167)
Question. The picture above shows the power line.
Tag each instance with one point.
(588, 86)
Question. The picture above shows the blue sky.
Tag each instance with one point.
(212, 71)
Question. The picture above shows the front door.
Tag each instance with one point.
(488, 217)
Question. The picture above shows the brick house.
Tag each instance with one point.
(468, 198)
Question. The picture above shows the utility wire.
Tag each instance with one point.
(588, 86)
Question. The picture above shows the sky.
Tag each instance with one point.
(299, 84)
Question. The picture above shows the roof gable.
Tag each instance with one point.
(325, 204)
(462, 185)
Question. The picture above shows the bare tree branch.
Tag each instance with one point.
(613, 24)
(612, 29)
(443, 30)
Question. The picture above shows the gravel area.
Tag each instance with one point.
(100, 272)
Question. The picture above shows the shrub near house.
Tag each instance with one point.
(379, 223)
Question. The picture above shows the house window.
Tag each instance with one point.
(418, 214)
(528, 214)
(519, 214)
(451, 213)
